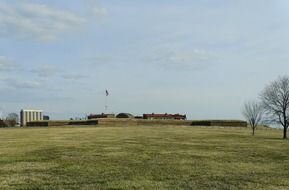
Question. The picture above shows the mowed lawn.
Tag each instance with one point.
(143, 158)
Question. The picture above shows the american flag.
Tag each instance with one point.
(106, 93)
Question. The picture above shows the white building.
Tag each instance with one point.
(30, 115)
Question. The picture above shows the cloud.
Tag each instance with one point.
(74, 76)
(5, 64)
(15, 83)
(195, 59)
(40, 21)
(99, 11)
(100, 59)
(45, 71)
(94, 8)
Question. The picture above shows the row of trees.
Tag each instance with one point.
(273, 106)
(11, 120)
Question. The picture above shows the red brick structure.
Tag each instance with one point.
(103, 115)
(2, 123)
(165, 116)
(7, 123)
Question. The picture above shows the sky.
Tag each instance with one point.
(203, 58)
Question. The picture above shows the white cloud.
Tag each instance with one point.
(5, 64)
(99, 11)
(183, 59)
(94, 8)
(40, 21)
(15, 83)
(45, 71)
(74, 76)
(100, 59)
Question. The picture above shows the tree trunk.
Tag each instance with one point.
(285, 133)
(253, 131)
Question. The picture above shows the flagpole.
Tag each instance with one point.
(106, 98)
(105, 107)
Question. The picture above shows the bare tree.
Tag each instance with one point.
(13, 116)
(252, 112)
(275, 100)
(12, 119)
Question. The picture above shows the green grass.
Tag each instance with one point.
(143, 158)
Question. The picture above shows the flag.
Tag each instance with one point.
(106, 93)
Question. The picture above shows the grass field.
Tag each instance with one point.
(143, 158)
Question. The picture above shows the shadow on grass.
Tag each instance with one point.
(271, 138)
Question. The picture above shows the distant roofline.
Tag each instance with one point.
(32, 110)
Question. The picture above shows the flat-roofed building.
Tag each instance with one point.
(30, 115)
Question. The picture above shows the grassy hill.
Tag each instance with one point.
(143, 158)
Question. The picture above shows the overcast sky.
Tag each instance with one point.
(202, 58)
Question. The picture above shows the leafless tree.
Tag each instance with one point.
(13, 116)
(12, 119)
(275, 100)
(252, 112)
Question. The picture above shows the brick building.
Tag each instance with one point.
(164, 116)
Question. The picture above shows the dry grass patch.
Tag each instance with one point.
(143, 158)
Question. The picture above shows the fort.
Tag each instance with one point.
(138, 122)
(33, 118)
